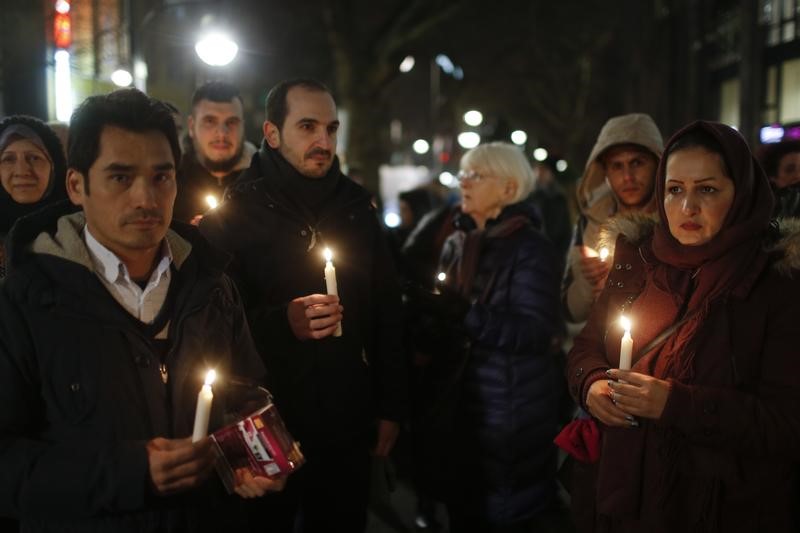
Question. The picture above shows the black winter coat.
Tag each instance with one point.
(508, 410)
(81, 389)
(329, 391)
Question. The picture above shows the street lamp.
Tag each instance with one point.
(421, 146)
(216, 49)
(448, 180)
(473, 118)
(469, 139)
(561, 165)
(519, 137)
(540, 154)
(121, 77)
(407, 64)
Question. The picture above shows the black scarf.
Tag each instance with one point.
(309, 195)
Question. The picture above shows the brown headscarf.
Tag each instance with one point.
(696, 276)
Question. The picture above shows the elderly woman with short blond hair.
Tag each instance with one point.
(504, 272)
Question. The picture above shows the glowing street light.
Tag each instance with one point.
(216, 49)
(519, 137)
(421, 146)
(469, 139)
(407, 64)
(473, 118)
(121, 78)
(447, 179)
(540, 154)
(561, 165)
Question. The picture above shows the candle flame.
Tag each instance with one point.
(211, 376)
(603, 254)
(625, 322)
(212, 201)
(328, 254)
(441, 276)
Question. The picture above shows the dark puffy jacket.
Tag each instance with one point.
(508, 405)
(81, 390)
(329, 391)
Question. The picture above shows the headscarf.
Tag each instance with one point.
(19, 127)
(696, 276)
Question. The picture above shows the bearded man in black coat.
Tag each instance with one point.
(341, 396)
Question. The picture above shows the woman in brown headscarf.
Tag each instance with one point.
(703, 433)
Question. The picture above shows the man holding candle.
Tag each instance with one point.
(109, 321)
(217, 151)
(619, 178)
(277, 219)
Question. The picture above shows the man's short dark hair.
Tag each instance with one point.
(216, 91)
(129, 109)
(277, 108)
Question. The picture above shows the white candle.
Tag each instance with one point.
(330, 283)
(212, 201)
(203, 411)
(603, 254)
(626, 345)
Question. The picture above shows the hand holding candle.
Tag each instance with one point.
(330, 283)
(626, 344)
(203, 411)
(593, 265)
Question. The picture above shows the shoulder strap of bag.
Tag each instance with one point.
(664, 335)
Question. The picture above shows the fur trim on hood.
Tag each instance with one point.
(595, 198)
(788, 245)
(636, 228)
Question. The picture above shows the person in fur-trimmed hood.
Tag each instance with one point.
(703, 433)
(618, 178)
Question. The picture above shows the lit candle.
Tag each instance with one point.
(203, 411)
(330, 283)
(440, 279)
(626, 345)
(603, 254)
(212, 201)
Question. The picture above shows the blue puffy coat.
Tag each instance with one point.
(507, 412)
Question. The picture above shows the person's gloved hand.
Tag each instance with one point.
(446, 304)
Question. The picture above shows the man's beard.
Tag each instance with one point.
(224, 165)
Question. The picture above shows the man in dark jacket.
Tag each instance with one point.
(109, 320)
(217, 152)
(277, 219)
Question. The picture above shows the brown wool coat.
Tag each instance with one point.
(737, 424)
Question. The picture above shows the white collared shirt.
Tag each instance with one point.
(144, 304)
